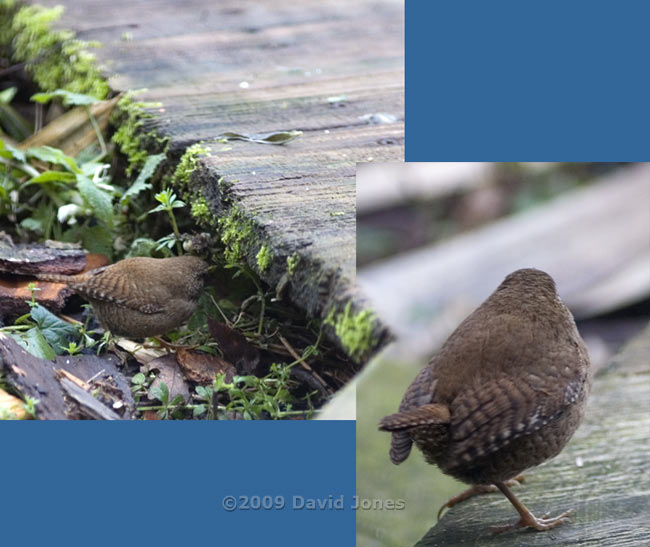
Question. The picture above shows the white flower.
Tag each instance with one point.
(68, 213)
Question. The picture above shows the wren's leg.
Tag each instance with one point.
(475, 490)
(526, 518)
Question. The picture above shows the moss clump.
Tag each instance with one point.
(264, 257)
(54, 58)
(353, 330)
(292, 262)
(201, 211)
(128, 117)
(188, 164)
(236, 234)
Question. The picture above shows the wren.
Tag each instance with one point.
(140, 297)
(504, 393)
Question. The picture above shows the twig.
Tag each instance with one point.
(300, 360)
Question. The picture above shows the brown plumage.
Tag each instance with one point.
(140, 297)
(505, 392)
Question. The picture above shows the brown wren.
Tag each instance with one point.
(140, 297)
(505, 392)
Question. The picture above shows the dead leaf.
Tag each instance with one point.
(170, 374)
(203, 368)
(151, 415)
(236, 349)
(141, 354)
(12, 406)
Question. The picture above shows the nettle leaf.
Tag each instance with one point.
(35, 343)
(97, 239)
(53, 155)
(149, 168)
(100, 202)
(55, 330)
(69, 98)
(52, 176)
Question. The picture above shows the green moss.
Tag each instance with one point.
(128, 117)
(264, 257)
(236, 234)
(292, 262)
(188, 164)
(353, 330)
(201, 211)
(54, 58)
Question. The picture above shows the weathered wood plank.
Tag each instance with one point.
(390, 185)
(603, 473)
(255, 67)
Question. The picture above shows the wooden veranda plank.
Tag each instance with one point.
(321, 67)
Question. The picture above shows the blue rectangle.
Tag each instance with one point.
(178, 483)
(508, 80)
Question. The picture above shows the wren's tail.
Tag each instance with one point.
(69, 279)
(399, 424)
(53, 278)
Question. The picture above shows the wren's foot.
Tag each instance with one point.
(531, 521)
(475, 490)
(526, 518)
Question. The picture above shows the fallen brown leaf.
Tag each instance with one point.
(203, 368)
(170, 374)
(12, 406)
(236, 349)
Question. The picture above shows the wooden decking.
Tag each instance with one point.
(323, 68)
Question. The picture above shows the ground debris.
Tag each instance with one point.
(42, 380)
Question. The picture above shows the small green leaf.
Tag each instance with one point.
(100, 202)
(178, 400)
(167, 241)
(161, 393)
(69, 98)
(53, 155)
(7, 95)
(157, 208)
(9, 152)
(139, 379)
(199, 410)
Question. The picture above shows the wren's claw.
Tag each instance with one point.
(475, 490)
(526, 518)
(531, 521)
